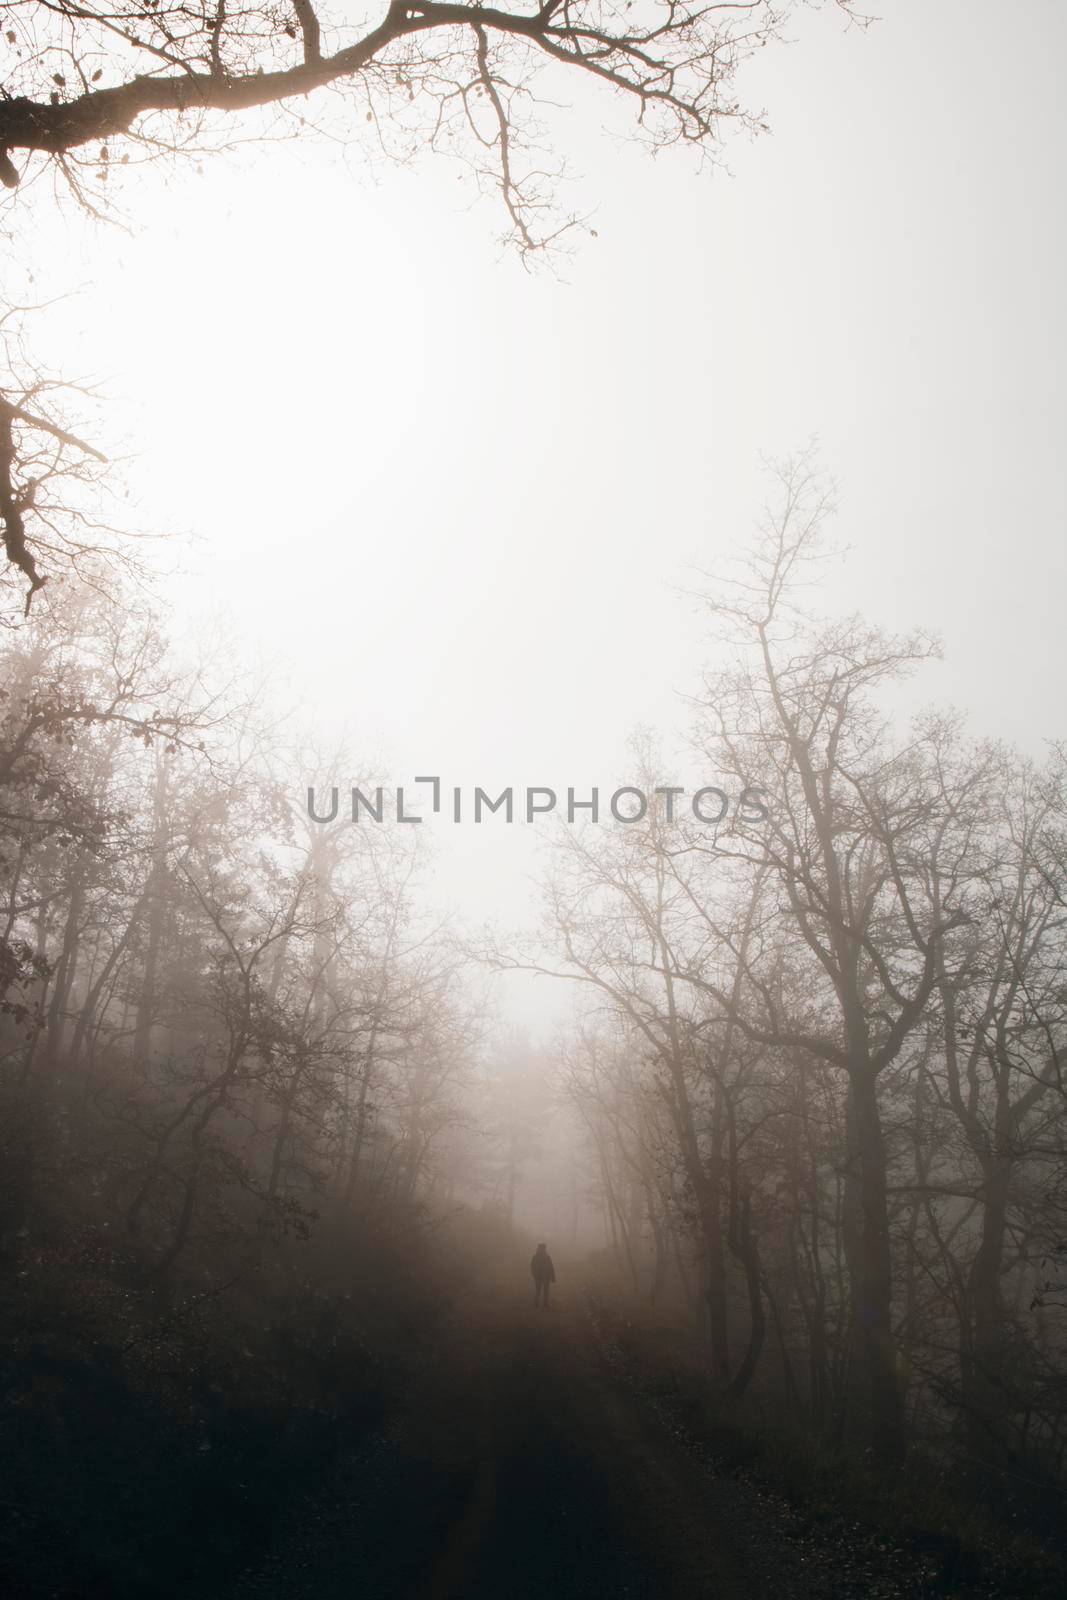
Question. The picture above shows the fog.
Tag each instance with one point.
(321, 478)
(439, 511)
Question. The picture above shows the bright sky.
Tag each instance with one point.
(452, 498)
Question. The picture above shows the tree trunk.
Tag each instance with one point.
(982, 1334)
(146, 1000)
(871, 1268)
(744, 1246)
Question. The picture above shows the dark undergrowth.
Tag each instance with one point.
(946, 1531)
(109, 1491)
(149, 1449)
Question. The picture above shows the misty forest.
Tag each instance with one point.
(654, 1185)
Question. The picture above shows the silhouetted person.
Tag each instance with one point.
(544, 1273)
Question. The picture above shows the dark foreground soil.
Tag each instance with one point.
(527, 1459)
(526, 1467)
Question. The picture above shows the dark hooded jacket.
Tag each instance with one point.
(541, 1266)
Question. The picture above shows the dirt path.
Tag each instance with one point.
(580, 1491)
(524, 1469)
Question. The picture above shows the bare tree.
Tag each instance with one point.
(89, 89)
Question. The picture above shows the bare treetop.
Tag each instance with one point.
(80, 78)
(88, 86)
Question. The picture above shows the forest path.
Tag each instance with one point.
(524, 1467)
